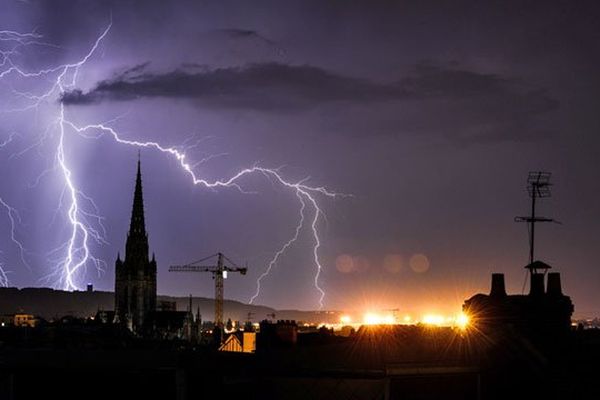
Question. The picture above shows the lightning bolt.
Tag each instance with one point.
(13, 217)
(3, 277)
(8, 140)
(304, 192)
(282, 250)
(77, 249)
(70, 268)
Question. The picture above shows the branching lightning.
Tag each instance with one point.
(302, 191)
(8, 140)
(282, 250)
(77, 249)
(82, 214)
(14, 217)
(3, 277)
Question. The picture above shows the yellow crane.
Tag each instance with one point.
(219, 271)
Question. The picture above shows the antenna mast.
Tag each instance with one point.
(538, 187)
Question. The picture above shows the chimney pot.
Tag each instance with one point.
(498, 288)
(554, 286)
(537, 285)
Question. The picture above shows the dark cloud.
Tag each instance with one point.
(307, 85)
(257, 86)
(236, 33)
(467, 105)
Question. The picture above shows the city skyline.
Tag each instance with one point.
(427, 119)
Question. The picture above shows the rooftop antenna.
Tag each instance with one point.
(538, 187)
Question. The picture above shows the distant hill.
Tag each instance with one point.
(49, 303)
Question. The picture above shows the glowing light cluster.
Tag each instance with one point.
(378, 319)
(433, 319)
(460, 320)
(82, 213)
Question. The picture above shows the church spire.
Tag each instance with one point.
(138, 226)
(136, 247)
(135, 277)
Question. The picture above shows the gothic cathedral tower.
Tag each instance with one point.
(135, 280)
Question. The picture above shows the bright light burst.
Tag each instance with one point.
(82, 214)
(462, 320)
(434, 319)
(378, 319)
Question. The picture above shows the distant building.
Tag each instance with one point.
(168, 323)
(240, 342)
(165, 305)
(281, 334)
(25, 320)
(135, 280)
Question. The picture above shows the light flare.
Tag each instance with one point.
(433, 319)
(462, 321)
(378, 319)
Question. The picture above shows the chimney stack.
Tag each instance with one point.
(554, 287)
(537, 285)
(498, 288)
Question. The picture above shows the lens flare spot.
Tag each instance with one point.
(344, 263)
(419, 263)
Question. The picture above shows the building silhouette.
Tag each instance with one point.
(543, 313)
(135, 276)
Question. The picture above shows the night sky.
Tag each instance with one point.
(429, 115)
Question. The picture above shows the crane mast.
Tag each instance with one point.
(219, 272)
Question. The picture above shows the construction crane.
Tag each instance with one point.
(219, 272)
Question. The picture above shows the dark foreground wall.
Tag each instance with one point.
(173, 375)
(408, 364)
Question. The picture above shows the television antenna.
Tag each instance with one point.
(538, 187)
